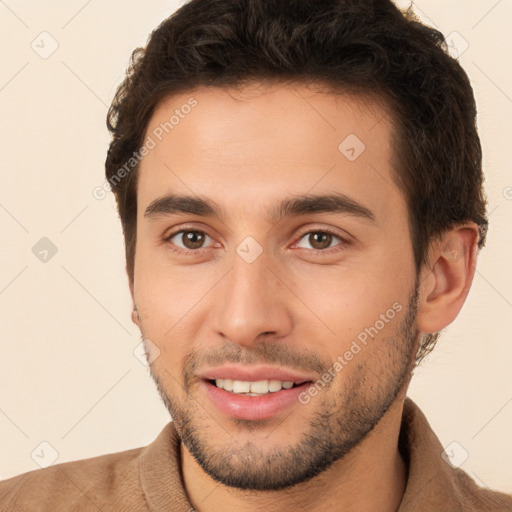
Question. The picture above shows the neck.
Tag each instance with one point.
(371, 477)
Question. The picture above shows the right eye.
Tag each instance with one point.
(187, 240)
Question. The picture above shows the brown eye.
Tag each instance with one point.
(188, 239)
(192, 239)
(320, 240)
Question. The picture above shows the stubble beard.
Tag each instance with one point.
(341, 422)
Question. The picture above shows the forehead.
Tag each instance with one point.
(259, 142)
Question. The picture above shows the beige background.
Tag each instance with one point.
(68, 373)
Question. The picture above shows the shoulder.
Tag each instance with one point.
(476, 498)
(432, 479)
(87, 484)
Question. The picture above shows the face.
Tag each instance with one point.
(274, 277)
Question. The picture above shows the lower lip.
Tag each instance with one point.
(253, 407)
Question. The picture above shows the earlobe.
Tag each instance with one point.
(135, 313)
(446, 281)
(135, 316)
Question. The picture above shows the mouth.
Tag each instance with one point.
(254, 388)
(256, 399)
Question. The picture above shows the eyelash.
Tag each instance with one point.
(321, 252)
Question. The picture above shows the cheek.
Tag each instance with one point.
(347, 298)
(166, 292)
(350, 304)
(166, 300)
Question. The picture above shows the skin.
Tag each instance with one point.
(246, 150)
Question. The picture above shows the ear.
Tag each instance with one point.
(447, 277)
(135, 313)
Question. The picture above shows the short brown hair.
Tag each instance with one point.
(361, 46)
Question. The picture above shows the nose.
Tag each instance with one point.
(251, 302)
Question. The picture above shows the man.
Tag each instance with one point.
(300, 188)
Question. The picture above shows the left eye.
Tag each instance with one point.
(319, 240)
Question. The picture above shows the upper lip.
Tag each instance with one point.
(254, 373)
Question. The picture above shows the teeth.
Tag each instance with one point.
(241, 386)
(274, 385)
(261, 386)
(257, 388)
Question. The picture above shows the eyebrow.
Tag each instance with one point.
(294, 206)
